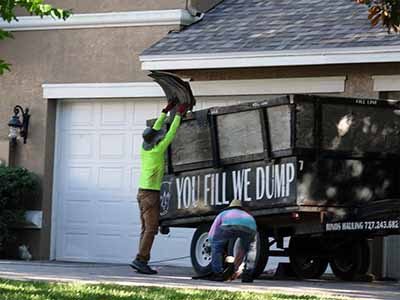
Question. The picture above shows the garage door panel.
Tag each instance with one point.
(133, 231)
(114, 114)
(108, 246)
(134, 176)
(78, 178)
(76, 245)
(77, 228)
(137, 143)
(143, 111)
(76, 212)
(133, 221)
(186, 233)
(110, 178)
(113, 146)
(78, 115)
(97, 178)
(110, 213)
(80, 146)
(99, 195)
(108, 229)
(177, 248)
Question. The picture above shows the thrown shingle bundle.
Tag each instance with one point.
(175, 88)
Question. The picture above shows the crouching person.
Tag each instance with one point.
(232, 223)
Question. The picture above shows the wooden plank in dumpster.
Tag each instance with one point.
(259, 185)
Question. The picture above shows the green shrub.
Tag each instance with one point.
(18, 187)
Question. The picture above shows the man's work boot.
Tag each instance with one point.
(142, 267)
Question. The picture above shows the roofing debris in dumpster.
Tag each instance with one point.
(294, 150)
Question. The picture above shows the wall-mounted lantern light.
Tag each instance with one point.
(17, 127)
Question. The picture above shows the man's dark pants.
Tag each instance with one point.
(149, 205)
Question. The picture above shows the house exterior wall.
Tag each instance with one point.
(109, 55)
(65, 56)
(4, 152)
(99, 6)
(80, 6)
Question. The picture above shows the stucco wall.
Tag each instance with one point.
(100, 6)
(97, 6)
(62, 56)
(87, 6)
(4, 152)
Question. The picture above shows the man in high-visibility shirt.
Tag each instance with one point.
(155, 143)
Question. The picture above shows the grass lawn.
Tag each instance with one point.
(18, 290)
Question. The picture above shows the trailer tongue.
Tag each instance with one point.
(321, 170)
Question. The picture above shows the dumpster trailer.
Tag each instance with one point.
(323, 171)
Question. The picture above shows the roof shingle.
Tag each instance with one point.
(272, 25)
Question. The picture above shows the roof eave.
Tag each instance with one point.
(330, 56)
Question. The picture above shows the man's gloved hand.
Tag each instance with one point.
(171, 105)
(182, 108)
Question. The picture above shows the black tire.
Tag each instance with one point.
(352, 259)
(304, 265)
(261, 254)
(200, 251)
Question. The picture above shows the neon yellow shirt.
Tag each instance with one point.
(153, 161)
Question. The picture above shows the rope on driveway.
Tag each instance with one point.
(169, 259)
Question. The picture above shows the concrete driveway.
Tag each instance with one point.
(180, 277)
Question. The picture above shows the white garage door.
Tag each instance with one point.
(97, 170)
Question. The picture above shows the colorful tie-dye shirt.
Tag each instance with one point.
(232, 219)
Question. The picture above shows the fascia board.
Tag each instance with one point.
(271, 58)
(328, 84)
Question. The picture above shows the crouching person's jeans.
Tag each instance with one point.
(246, 246)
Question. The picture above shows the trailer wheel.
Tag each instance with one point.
(304, 265)
(261, 252)
(200, 251)
(352, 259)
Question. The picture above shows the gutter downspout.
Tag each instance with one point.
(189, 17)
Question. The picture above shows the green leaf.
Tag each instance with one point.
(5, 34)
(4, 67)
(45, 8)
